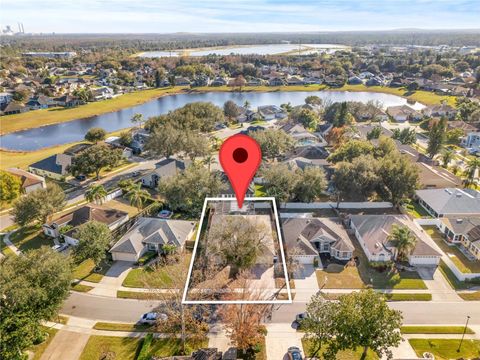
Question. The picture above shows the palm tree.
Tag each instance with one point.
(209, 160)
(404, 239)
(246, 104)
(471, 172)
(447, 156)
(137, 119)
(96, 193)
(137, 196)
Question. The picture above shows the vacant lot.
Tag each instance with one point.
(453, 252)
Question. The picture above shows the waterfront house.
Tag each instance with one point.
(272, 112)
(164, 169)
(403, 113)
(55, 166)
(28, 182)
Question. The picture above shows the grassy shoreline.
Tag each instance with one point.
(38, 118)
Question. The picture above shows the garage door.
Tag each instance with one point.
(124, 257)
(305, 259)
(424, 260)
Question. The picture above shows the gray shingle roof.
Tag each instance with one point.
(452, 201)
(153, 231)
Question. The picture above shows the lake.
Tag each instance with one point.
(268, 49)
(72, 131)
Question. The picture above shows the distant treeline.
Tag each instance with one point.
(146, 42)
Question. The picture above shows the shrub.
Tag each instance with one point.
(149, 255)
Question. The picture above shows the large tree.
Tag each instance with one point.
(93, 241)
(136, 195)
(186, 191)
(32, 289)
(230, 110)
(350, 150)
(95, 193)
(310, 185)
(308, 118)
(436, 137)
(95, 135)
(9, 187)
(273, 143)
(399, 178)
(472, 171)
(363, 319)
(319, 324)
(279, 181)
(166, 140)
(94, 159)
(38, 205)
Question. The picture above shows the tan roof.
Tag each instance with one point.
(27, 179)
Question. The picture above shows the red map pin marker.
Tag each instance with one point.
(240, 157)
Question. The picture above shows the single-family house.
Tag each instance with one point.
(102, 93)
(55, 166)
(276, 81)
(14, 108)
(182, 81)
(354, 80)
(271, 112)
(5, 98)
(302, 136)
(294, 80)
(28, 182)
(164, 169)
(218, 81)
(472, 141)
(306, 238)
(68, 101)
(440, 110)
(403, 113)
(449, 202)
(151, 234)
(40, 102)
(111, 217)
(462, 230)
(373, 233)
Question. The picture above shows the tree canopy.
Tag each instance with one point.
(273, 143)
(93, 241)
(9, 187)
(94, 159)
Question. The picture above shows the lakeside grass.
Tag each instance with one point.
(36, 118)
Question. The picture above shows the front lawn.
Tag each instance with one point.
(408, 297)
(30, 237)
(39, 349)
(341, 355)
(86, 271)
(453, 252)
(122, 205)
(123, 327)
(337, 276)
(444, 349)
(473, 296)
(81, 288)
(452, 279)
(127, 348)
(435, 330)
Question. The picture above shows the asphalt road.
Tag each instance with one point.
(125, 310)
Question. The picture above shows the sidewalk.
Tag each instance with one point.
(10, 245)
(65, 345)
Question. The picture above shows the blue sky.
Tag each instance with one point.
(166, 16)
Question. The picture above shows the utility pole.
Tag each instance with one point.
(463, 335)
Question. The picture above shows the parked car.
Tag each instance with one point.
(165, 214)
(300, 317)
(59, 247)
(294, 353)
(151, 317)
(81, 177)
(135, 173)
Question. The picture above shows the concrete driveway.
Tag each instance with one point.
(279, 338)
(306, 283)
(65, 345)
(113, 279)
(437, 284)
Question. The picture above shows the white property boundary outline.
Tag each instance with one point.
(277, 223)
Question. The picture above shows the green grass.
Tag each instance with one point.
(81, 288)
(342, 355)
(135, 295)
(415, 210)
(259, 190)
(30, 237)
(358, 277)
(435, 330)
(461, 261)
(474, 296)
(6, 250)
(408, 297)
(85, 271)
(39, 349)
(452, 279)
(36, 118)
(123, 327)
(126, 348)
(444, 349)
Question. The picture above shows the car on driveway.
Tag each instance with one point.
(152, 317)
(165, 214)
(300, 317)
(294, 353)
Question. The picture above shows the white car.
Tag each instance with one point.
(152, 317)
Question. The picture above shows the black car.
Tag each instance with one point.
(294, 353)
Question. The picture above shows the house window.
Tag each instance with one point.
(152, 247)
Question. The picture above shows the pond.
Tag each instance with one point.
(267, 49)
(67, 132)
